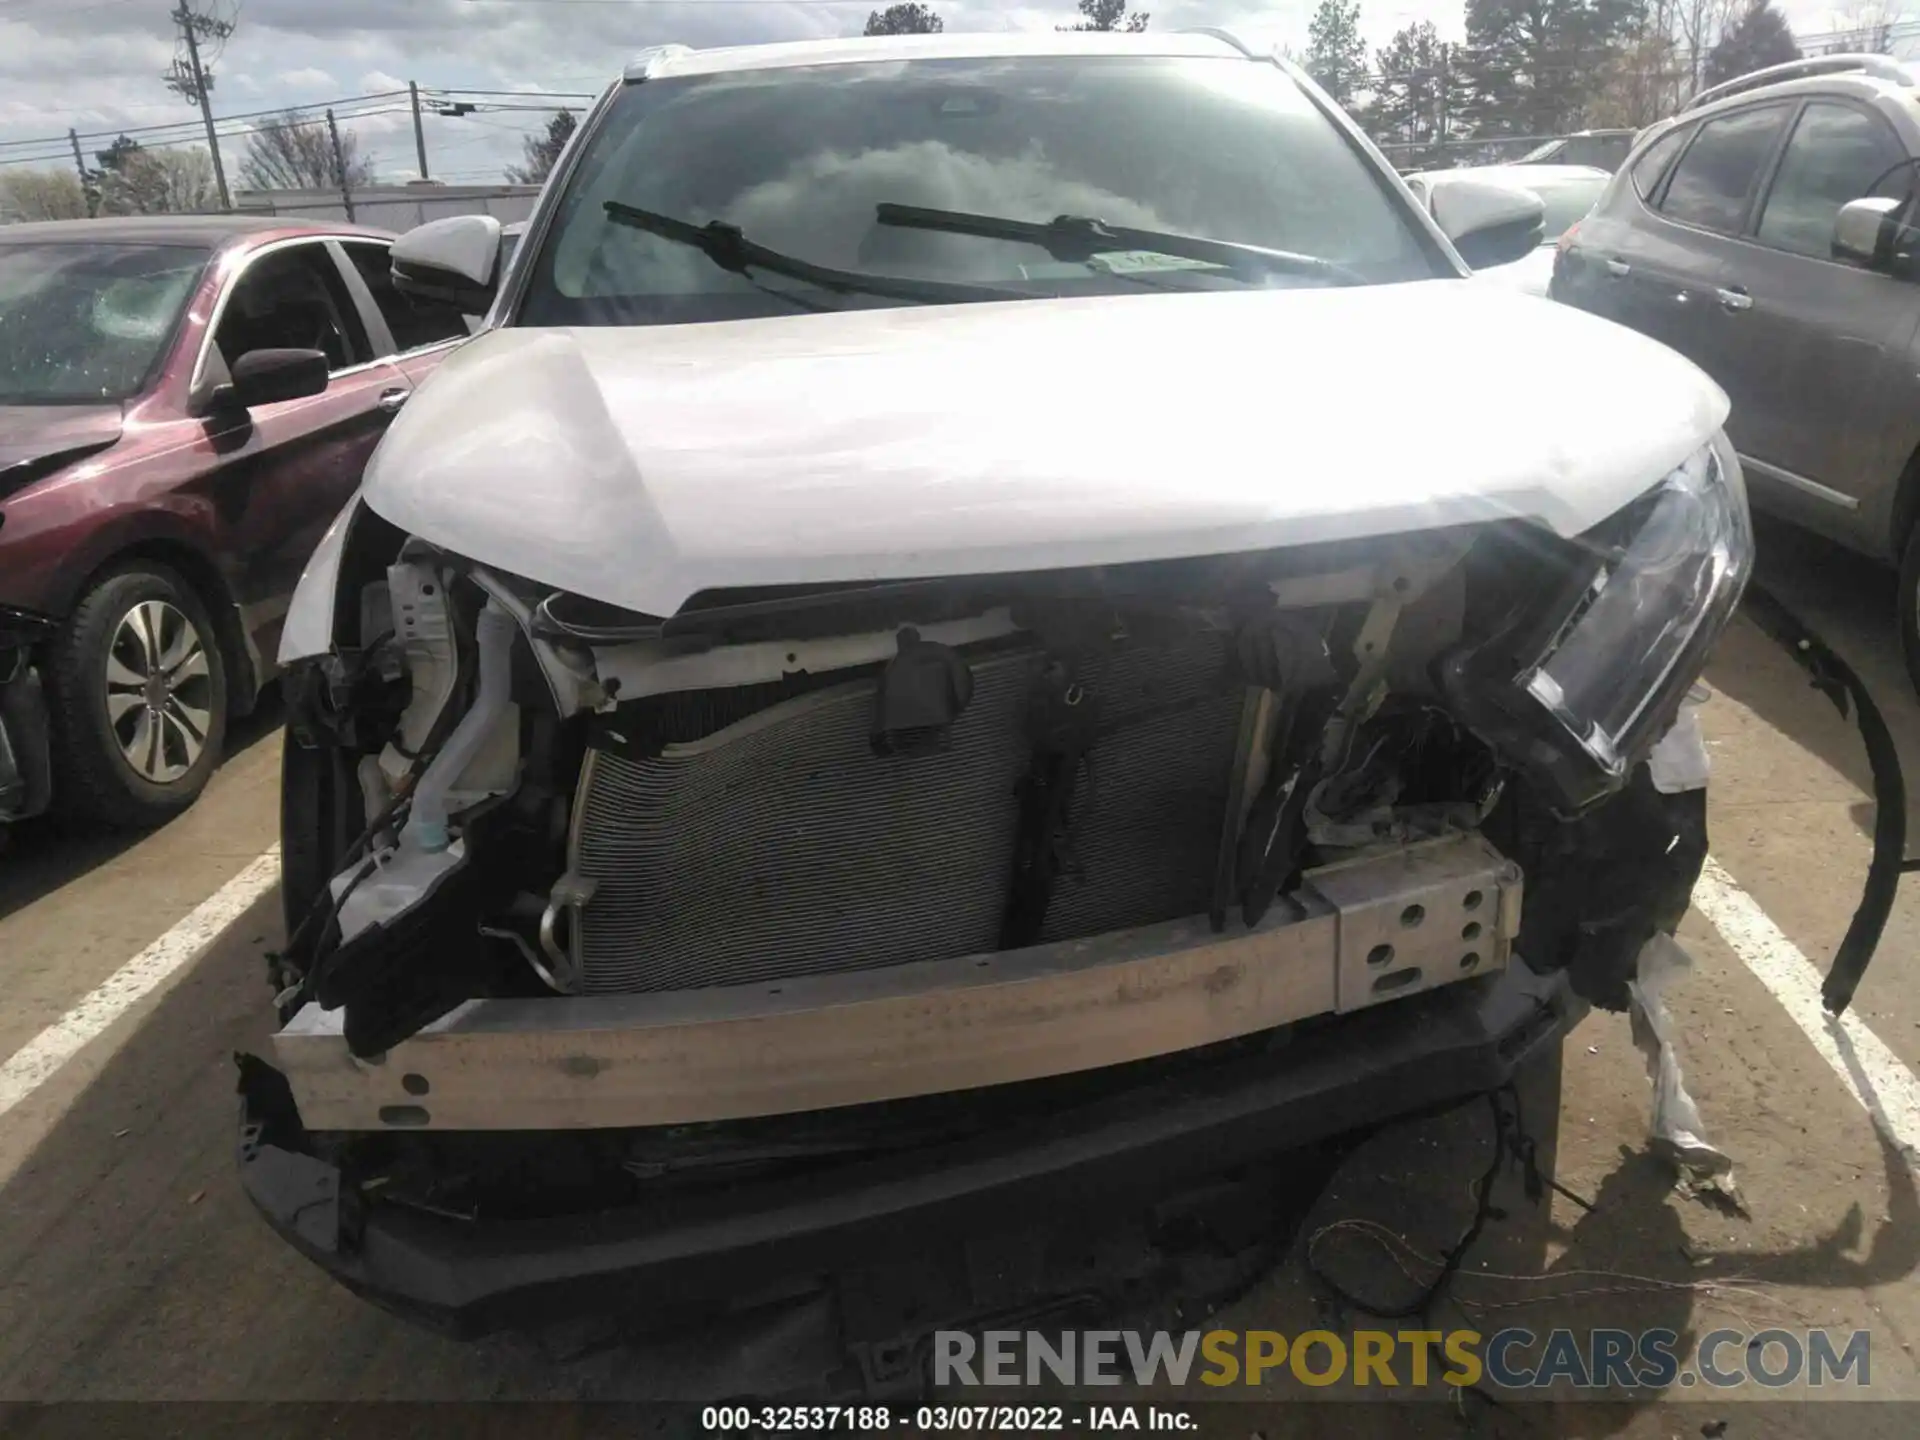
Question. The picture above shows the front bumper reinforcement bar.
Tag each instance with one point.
(1363, 931)
(471, 1276)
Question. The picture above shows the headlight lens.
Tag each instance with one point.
(1654, 603)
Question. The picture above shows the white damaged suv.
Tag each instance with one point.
(987, 614)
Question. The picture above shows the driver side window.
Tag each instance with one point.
(293, 299)
(1837, 154)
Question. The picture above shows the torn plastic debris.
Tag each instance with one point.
(1675, 1129)
(1838, 681)
(1678, 762)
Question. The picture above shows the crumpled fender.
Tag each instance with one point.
(308, 629)
(1603, 884)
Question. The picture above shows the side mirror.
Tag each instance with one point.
(1488, 223)
(1865, 231)
(265, 377)
(455, 260)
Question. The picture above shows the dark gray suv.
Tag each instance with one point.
(1767, 233)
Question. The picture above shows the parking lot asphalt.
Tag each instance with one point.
(132, 1268)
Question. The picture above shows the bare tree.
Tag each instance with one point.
(1643, 79)
(1660, 61)
(288, 152)
(41, 195)
(1698, 26)
(161, 182)
(1865, 27)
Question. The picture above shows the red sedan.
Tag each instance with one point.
(185, 403)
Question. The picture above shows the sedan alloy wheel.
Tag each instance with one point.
(159, 691)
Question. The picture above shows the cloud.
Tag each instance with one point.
(96, 67)
(841, 190)
(308, 77)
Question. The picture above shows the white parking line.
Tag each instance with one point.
(1872, 1073)
(36, 1061)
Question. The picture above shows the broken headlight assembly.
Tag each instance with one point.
(1577, 691)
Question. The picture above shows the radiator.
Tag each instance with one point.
(780, 845)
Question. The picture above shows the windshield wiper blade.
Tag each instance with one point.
(728, 248)
(1080, 237)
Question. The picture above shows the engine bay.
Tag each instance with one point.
(533, 795)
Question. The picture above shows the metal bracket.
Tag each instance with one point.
(1422, 915)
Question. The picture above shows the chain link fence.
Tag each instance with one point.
(1606, 149)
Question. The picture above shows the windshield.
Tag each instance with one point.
(88, 322)
(1568, 203)
(802, 159)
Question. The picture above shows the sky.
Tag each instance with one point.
(95, 65)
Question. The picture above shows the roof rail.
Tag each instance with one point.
(1215, 32)
(646, 64)
(1880, 67)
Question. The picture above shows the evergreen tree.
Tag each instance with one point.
(1411, 90)
(1336, 53)
(907, 18)
(1109, 15)
(541, 152)
(1530, 67)
(1759, 38)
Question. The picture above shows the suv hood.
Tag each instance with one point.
(1530, 274)
(36, 440)
(641, 465)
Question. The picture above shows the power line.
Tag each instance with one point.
(12, 11)
(456, 109)
(516, 94)
(504, 129)
(65, 157)
(114, 132)
(1866, 31)
(56, 158)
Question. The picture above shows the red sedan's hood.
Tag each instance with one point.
(36, 440)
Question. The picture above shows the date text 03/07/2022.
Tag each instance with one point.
(992, 1419)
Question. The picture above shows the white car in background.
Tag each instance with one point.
(1567, 192)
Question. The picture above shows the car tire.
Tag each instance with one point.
(138, 689)
(1910, 606)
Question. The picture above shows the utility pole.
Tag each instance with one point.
(191, 81)
(340, 166)
(86, 180)
(419, 131)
